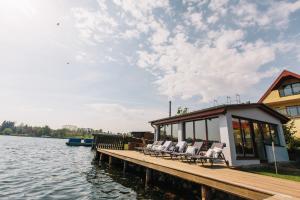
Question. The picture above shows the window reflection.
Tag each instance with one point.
(213, 127)
(200, 130)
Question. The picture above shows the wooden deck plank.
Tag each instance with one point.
(241, 183)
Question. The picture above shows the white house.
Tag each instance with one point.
(247, 130)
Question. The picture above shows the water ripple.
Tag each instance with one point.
(43, 168)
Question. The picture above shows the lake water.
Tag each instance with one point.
(46, 168)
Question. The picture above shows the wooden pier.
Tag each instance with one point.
(243, 184)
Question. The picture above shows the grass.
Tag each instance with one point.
(283, 173)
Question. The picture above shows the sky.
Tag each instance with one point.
(115, 64)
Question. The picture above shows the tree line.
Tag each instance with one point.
(10, 128)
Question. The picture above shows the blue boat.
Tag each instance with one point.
(80, 142)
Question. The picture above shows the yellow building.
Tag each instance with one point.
(284, 96)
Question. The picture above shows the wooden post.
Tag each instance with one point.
(204, 192)
(109, 161)
(101, 157)
(148, 176)
(124, 166)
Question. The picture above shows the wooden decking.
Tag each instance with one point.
(248, 185)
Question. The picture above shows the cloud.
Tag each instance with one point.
(95, 26)
(275, 15)
(124, 117)
(221, 68)
(194, 54)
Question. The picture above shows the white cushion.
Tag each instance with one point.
(181, 146)
(160, 148)
(217, 152)
(209, 153)
(190, 150)
(167, 144)
(154, 147)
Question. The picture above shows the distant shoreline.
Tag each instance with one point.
(16, 135)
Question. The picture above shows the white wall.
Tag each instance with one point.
(226, 138)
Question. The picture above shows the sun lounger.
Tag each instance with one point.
(151, 147)
(189, 151)
(148, 146)
(158, 149)
(213, 154)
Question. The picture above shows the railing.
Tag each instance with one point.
(119, 146)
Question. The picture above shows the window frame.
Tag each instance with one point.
(260, 123)
(206, 141)
(297, 109)
(282, 93)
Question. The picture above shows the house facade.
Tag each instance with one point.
(284, 96)
(248, 131)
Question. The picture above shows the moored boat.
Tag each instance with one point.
(80, 142)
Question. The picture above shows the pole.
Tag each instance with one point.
(170, 108)
(274, 155)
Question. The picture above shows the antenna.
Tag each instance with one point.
(238, 98)
(228, 100)
(215, 102)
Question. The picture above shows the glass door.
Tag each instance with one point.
(259, 142)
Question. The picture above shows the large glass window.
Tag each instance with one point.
(168, 131)
(200, 130)
(274, 134)
(293, 111)
(162, 132)
(213, 127)
(281, 110)
(290, 89)
(189, 132)
(296, 88)
(287, 90)
(175, 132)
(260, 147)
(237, 134)
(246, 132)
(266, 133)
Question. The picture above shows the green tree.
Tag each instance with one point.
(289, 133)
(181, 110)
(7, 131)
(8, 124)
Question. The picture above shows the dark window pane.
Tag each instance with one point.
(189, 138)
(237, 137)
(162, 133)
(281, 110)
(287, 90)
(260, 147)
(248, 145)
(200, 130)
(175, 132)
(292, 111)
(274, 134)
(266, 133)
(281, 92)
(168, 132)
(213, 128)
(296, 88)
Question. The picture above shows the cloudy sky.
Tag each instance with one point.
(115, 64)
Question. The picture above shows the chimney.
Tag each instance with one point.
(170, 108)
